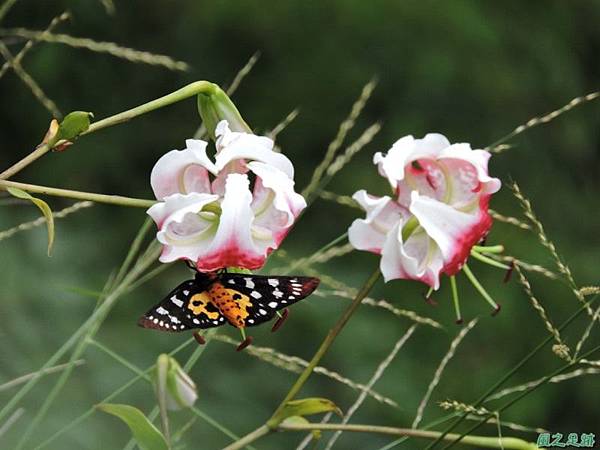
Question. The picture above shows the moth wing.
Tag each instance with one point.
(261, 296)
(186, 307)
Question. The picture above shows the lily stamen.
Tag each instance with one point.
(509, 271)
(281, 319)
(246, 341)
(489, 261)
(481, 290)
(428, 299)
(459, 319)
(489, 248)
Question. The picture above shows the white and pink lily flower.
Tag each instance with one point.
(438, 212)
(230, 212)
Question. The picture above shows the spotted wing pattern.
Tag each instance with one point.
(259, 297)
(187, 306)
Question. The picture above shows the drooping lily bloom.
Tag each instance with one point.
(230, 212)
(438, 211)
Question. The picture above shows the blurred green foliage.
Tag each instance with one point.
(471, 70)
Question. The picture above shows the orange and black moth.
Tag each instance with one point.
(215, 298)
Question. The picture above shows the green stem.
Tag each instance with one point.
(478, 441)
(191, 90)
(333, 333)
(20, 165)
(274, 421)
(78, 195)
(198, 87)
(261, 431)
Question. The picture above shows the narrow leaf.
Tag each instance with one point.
(144, 432)
(44, 208)
(306, 407)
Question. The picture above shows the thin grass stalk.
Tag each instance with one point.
(587, 331)
(376, 376)
(512, 371)
(543, 381)
(5, 7)
(296, 365)
(543, 119)
(337, 142)
(11, 421)
(33, 86)
(24, 378)
(440, 370)
(543, 238)
(556, 379)
(560, 348)
(42, 220)
(110, 300)
(129, 54)
(107, 399)
(55, 22)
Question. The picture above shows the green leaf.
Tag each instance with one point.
(73, 125)
(304, 407)
(44, 208)
(144, 432)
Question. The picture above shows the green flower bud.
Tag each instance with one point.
(174, 385)
(215, 106)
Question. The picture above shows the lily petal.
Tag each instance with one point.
(234, 243)
(182, 171)
(382, 214)
(419, 258)
(274, 190)
(467, 173)
(406, 150)
(182, 231)
(233, 145)
(455, 232)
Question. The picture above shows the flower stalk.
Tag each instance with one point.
(78, 195)
(477, 441)
(273, 423)
(206, 88)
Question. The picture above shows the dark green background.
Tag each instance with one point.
(471, 70)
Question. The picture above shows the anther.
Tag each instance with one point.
(429, 299)
(199, 338)
(511, 268)
(282, 318)
(245, 343)
(496, 310)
